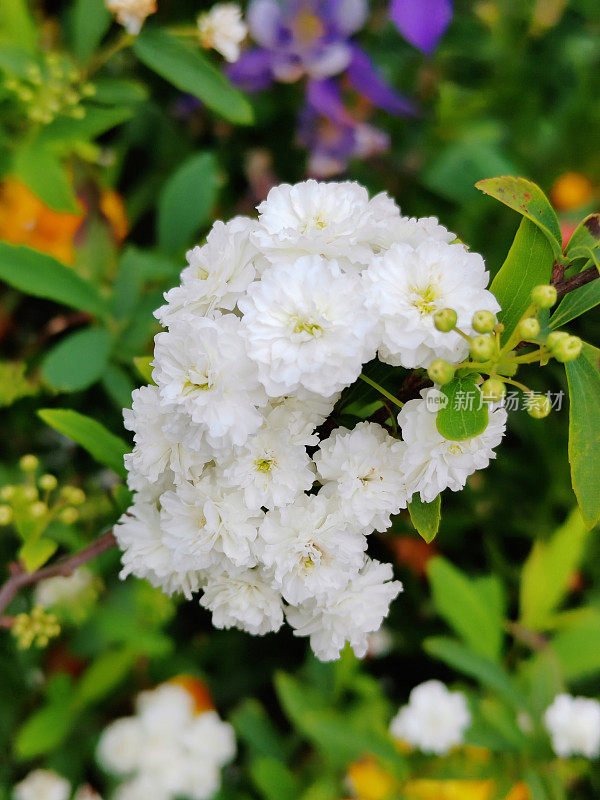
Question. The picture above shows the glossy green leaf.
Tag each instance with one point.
(35, 552)
(426, 516)
(40, 275)
(190, 71)
(584, 436)
(465, 608)
(90, 20)
(186, 201)
(548, 570)
(43, 173)
(78, 360)
(100, 443)
(528, 264)
(585, 239)
(528, 199)
(576, 303)
(465, 414)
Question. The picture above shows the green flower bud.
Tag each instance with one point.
(38, 509)
(73, 495)
(6, 515)
(493, 390)
(483, 348)
(567, 349)
(7, 493)
(483, 321)
(440, 371)
(445, 319)
(544, 296)
(555, 338)
(69, 515)
(29, 493)
(538, 406)
(529, 328)
(29, 463)
(48, 482)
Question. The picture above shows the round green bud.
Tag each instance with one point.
(555, 338)
(7, 493)
(29, 493)
(544, 296)
(69, 515)
(493, 390)
(529, 328)
(6, 515)
(73, 495)
(567, 349)
(483, 348)
(29, 463)
(539, 406)
(38, 509)
(445, 319)
(483, 321)
(48, 482)
(440, 371)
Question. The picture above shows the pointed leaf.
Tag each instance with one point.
(78, 360)
(426, 516)
(585, 239)
(576, 303)
(35, 553)
(465, 414)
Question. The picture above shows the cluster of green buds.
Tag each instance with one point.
(500, 362)
(51, 87)
(35, 628)
(32, 504)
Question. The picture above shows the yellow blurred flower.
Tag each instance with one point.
(113, 209)
(520, 791)
(369, 781)
(25, 219)
(425, 789)
(572, 190)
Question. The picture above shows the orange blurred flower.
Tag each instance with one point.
(520, 791)
(113, 209)
(198, 691)
(412, 551)
(25, 219)
(572, 190)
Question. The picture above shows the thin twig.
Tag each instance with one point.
(66, 566)
(576, 281)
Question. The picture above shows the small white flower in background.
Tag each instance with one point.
(131, 14)
(167, 749)
(42, 784)
(435, 719)
(574, 726)
(64, 590)
(223, 29)
(433, 463)
(245, 489)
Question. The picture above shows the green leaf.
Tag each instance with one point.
(528, 199)
(577, 648)
(465, 414)
(13, 382)
(548, 569)
(119, 92)
(35, 552)
(41, 275)
(584, 436)
(585, 239)
(144, 368)
(103, 675)
(78, 360)
(255, 728)
(482, 669)
(274, 780)
(64, 131)
(576, 303)
(186, 201)
(466, 608)
(44, 731)
(43, 173)
(190, 71)
(17, 25)
(89, 22)
(528, 264)
(100, 443)
(426, 516)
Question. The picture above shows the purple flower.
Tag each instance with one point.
(422, 22)
(297, 38)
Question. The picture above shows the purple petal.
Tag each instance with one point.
(325, 98)
(252, 71)
(422, 22)
(367, 81)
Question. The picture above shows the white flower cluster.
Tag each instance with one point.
(44, 784)
(273, 319)
(435, 719)
(167, 750)
(574, 726)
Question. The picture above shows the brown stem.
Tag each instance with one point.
(536, 641)
(20, 579)
(563, 287)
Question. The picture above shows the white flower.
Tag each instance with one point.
(120, 746)
(574, 726)
(42, 784)
(141, 788)
(223, 29)
(218, 273)
(62, 590)
(145, 554)
(330, 219)
(131, 14)
(413, 231)
(405, 286)
(203, 371)
(205, 521)
(364, 467)
(435, 719)
(270, 468)
(166, 709)
(245, 600)
(433, 463)
(300, 415)
(311, 547)
(306, 327)
(153, 452)
(348, 615)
